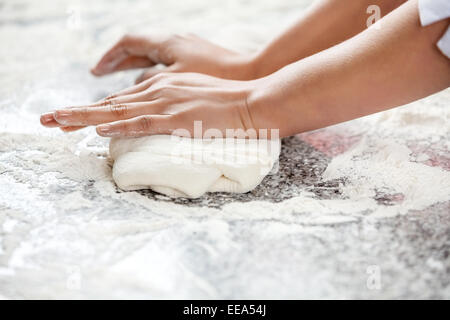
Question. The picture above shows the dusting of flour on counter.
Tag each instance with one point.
(384, 166)
(369, 192)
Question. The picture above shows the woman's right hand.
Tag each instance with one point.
(178, 54)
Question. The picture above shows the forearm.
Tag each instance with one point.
(374, 71)
(325, 24)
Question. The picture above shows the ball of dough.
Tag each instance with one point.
(185, 167)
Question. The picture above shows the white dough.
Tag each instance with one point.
(184, 167)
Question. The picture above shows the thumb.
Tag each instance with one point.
(126, 47)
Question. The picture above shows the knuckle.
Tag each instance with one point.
(124, 126)
(144, 123)
(163, 91)
(147, 80)
(148, 94)
(153, 80)
(110, 97)
(106, 102)
(169, 82)
(161, 76)
(83, 114)
(119, 110)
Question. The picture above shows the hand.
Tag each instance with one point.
(165, 104)
(178, 54)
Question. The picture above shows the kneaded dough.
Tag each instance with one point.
(185, 167)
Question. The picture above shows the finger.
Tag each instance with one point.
(70, 129)
(139, 96)
(125, 47)
(133, 62)
(48, 120)
(150, 73)
(135, 89)
(138, 87)
(85, 116)
(110, 60)
(138, 127)
(129, 45)
(131, 90)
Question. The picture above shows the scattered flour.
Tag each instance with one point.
(65, 231)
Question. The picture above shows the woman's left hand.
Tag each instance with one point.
(164, 104)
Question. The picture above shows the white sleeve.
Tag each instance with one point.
(431, 11)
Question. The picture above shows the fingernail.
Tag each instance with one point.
(62, 113)
(106, 130)
(95, 71)
(46, 118)
(62, 116)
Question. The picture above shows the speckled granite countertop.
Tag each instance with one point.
(359, 210)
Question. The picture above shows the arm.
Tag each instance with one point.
(326, 23)
(374, 71)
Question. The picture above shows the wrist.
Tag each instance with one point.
(254, 66)
(260, 64)
(250, 66)
(239, 67)
(260, 102)
(278, 102)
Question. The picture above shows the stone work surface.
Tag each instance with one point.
(359, 210)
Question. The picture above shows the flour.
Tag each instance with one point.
(63, 218)
(388, 168)
(373, 164)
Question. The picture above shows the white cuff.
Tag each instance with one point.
(431, 11)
